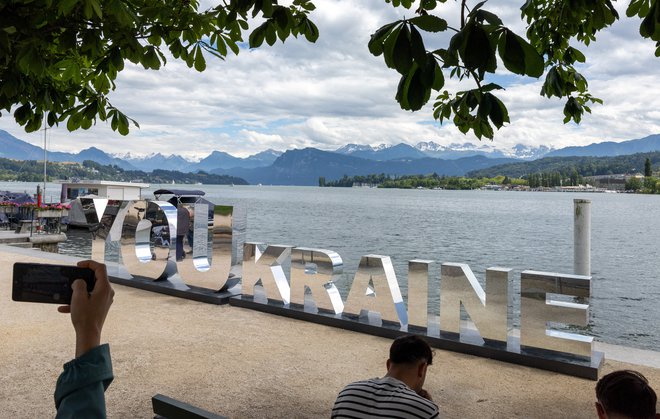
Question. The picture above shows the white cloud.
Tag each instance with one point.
(334, 92)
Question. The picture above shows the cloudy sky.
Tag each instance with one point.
(334, 92)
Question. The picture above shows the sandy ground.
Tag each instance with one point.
(245, 364)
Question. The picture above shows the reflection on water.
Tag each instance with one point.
(78, 243)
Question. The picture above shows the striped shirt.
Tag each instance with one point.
(382, 397)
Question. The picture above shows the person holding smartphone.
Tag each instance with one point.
(80, 390)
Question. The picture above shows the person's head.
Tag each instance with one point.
(410, 355)
(625, 394)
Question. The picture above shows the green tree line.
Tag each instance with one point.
(432, 181)
(33, 171)
(585, 166)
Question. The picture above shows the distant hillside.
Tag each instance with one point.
(304, 167)
(14, 148)
(586, 166)
(609, 148)
(32, 171)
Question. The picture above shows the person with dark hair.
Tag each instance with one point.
(625, 394)
(400, 393)
(182, 229)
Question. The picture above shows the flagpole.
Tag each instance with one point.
(45, 156)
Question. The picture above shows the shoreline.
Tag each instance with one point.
(245, 364)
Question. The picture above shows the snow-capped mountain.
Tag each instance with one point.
(382, 152)
(458, 150)
(354, 148)
(452, 151)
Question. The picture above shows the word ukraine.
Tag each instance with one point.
(135, 235)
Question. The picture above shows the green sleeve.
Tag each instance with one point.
(81, 386)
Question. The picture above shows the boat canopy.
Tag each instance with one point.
(179, 192)
(16, 197)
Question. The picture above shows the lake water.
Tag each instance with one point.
(518, 230)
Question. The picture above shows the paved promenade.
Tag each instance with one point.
(246, 364)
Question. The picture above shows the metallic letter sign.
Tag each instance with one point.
(314, 269)
(140, 255)
(266, 266)
(488, 310)
(387, 301)
(133, 238)
(537, 308)
(418, 292)
(211, 262)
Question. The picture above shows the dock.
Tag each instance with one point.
(46, 242)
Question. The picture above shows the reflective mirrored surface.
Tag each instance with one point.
(146, 242)
(213, 246)
(314, 270)
(537, 308)
(386, 299)
(418, 292)
(487, 309)
(263, 263)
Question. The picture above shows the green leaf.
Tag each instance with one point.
(232, 45)
(429, 4)
(86, 123)
(650, 27)
(490, 87)
(428, 71)
(257, 36)
(439, 80)
(402, 54)
(200, 62)
(388, 46)
(377, 39)
(575, 55)
(498, 112)
(511, 52)
(411, 92)
(478, 53)
(484, 106)
(429, 23)
(308, 6)
(116, 59)
(22, 113)
(271, 35)
(634, 7)
(312, 32)
(534, 63)
(123, 124)
(66, 6)
(96, 7)
(150, 59)
(267, 8)
(489, 17)
(572, 110)
(418, 51)
(73, 123)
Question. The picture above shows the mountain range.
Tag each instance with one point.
(304, 167)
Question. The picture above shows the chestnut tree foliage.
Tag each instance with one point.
(554, 28)
(59, 59)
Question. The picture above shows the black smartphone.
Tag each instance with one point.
(43, 283)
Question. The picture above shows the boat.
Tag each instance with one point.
(185, 197)
(96, 189)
